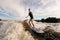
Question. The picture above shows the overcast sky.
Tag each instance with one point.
(18, 9)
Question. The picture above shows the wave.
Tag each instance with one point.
(20, 30)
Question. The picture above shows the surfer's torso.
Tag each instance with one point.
(31, 15)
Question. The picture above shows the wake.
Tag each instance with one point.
(20, 30)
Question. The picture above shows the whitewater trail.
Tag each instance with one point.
(20, 30)
(10, 30)
(16, 30)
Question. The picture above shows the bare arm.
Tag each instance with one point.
(27, 16)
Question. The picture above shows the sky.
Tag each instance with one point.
(18, 9)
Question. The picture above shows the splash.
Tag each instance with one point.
(19, 30)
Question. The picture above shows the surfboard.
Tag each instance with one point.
(36, 30)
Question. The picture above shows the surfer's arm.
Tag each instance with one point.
(26, 16)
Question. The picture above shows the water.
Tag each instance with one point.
(19, 30)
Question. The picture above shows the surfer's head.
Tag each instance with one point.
(29, 9)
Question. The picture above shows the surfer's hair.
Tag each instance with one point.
(29, 9)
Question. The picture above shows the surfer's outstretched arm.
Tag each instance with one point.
(26, 16)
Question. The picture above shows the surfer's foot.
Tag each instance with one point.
(33, 27)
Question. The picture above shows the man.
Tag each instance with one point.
(31, 17)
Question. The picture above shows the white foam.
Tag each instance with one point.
(13, 30)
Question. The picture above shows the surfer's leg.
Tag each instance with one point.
(29, 23)
(32, 22)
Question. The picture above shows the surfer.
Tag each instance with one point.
(31, 17)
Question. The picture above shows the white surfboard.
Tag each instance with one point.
(37, 30)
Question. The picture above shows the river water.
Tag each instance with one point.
(17, 30)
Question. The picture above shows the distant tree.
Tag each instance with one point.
(42, 20)
(38, 20)
(50, 20)
(0, 19)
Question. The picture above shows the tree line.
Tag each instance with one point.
(50, 20)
